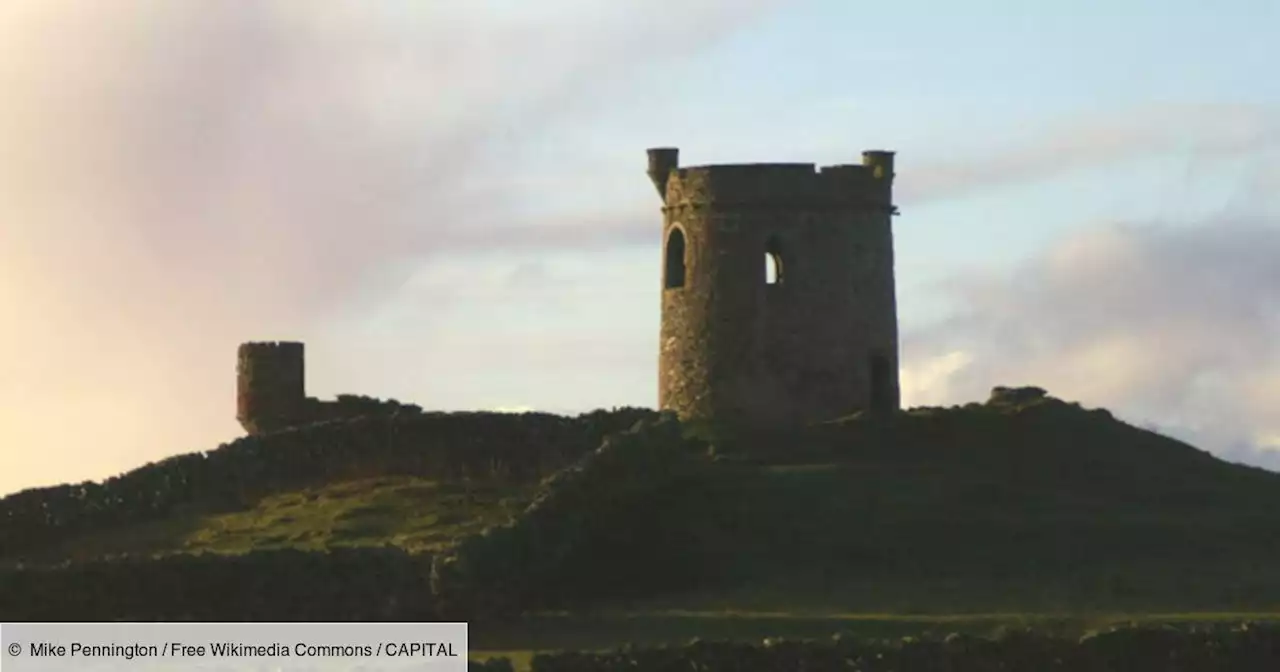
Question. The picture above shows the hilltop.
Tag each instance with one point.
(1024, 503)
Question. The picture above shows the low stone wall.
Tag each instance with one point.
(236, 474)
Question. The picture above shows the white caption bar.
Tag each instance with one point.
(239, 647)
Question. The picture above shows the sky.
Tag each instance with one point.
(447, 201)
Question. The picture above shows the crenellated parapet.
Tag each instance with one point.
(774, 185)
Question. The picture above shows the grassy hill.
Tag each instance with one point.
(1024, 507)
(161, 505)
(416, 514)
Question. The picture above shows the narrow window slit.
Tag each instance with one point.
(773, 267)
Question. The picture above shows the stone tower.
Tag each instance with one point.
(270, 385)
(778, 300)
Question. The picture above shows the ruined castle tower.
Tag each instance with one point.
(778, 300)
(270, 385)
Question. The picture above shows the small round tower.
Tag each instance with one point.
(270, 385)
(778, 299)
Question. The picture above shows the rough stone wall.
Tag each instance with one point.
(736, 348)
(523, 447)
(271, 392)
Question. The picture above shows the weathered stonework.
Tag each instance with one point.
(271, 391)
(819, 343)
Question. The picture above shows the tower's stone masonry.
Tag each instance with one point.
(271, 391)
(817, 341)
(812, 339)
(270, 385)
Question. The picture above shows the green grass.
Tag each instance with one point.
(956, 521)
(414, 514)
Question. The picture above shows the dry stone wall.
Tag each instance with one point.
(432, 445)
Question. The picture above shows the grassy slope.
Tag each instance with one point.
(843, 538)
(1040, 506)
(968, 521)
(1001, 494)
(1014, 511)
(415, 514)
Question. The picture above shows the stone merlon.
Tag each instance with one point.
(662, 160)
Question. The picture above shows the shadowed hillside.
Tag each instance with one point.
(45, 523)
(1022, 504)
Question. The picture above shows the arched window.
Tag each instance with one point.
(773, 262)
(673, 275)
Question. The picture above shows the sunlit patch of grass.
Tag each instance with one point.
(412, 513)
(522, 661)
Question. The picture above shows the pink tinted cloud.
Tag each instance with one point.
(178, 177)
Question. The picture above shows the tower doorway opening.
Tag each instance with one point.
(674, 270)
(773, 262)
(881, 399)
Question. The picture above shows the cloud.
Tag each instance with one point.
(1202, 131)
(1177, 326)
(179, 177)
